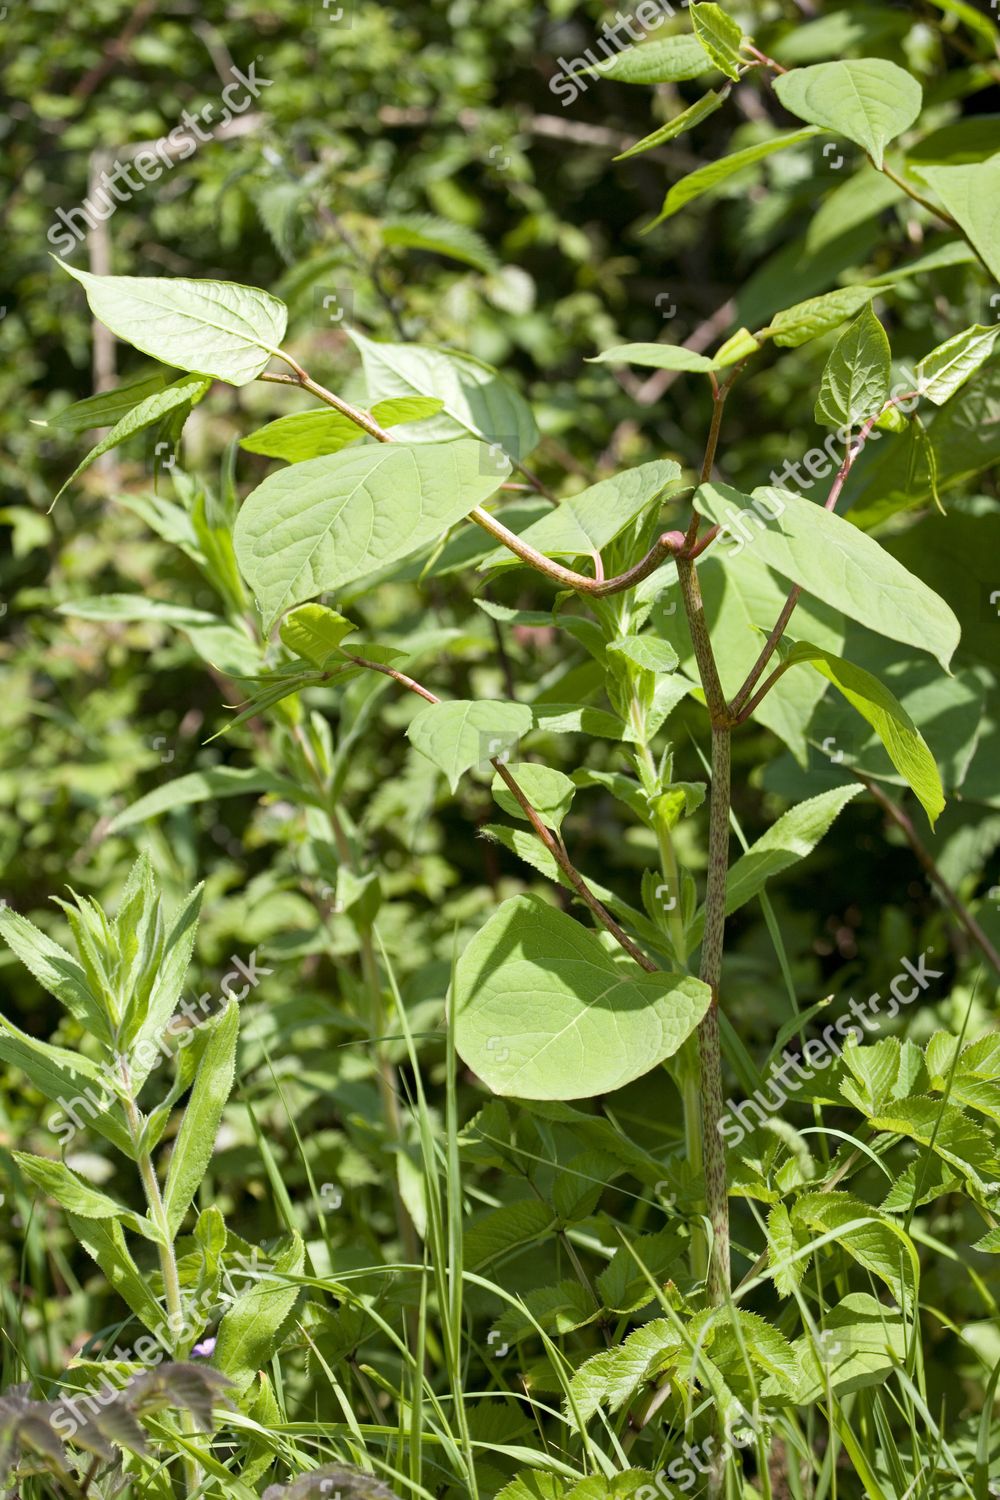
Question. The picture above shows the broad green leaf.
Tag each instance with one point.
(587, 522)
(192, 1150)
(720, 36)
(789, 840)
(104, 1241)
(327, 522)
(613, 1376)
(185, 392)
(541, 1010)
(462, 735)
(834, 561)
(75, 1195)
(657, 357)
(808, 320)
(440, 237)
(874, 1241)
(706, 179)
(946, 369)
(314, 434)
(861, 1342)
(971, 194)
(857, 376)
(550, 792)
(904, 744)
(214, 328)
(70, 1080)
(501, 1230)
(315, 632)
(476, 399)
(109, 407)
(686, 120)
(944, 1129)
(867, 100)
(55, 969)
(646, 651)
(565, 718)
(202, 786)
(251, 1331)
(558, 1309)
(668, 59)
(624, 1284)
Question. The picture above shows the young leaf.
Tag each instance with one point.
(314, 434)
(720, 36)
(686, 120)
(647, 652)
(657, 357)
(208, 327)
(55, 969)
(835, 562)
(186, 392)
(905, 745)
(315, 632)
(857, 376)
(808, 320)
(867, 100)
(327, 522)
(970, 192)
(668, 59)
(75, 1195)
(542, 1011)
(946, 369)
(461, 735)
(706, 179)
(252, 1329)
(107, 408)
(550, 792)
(193, 1148)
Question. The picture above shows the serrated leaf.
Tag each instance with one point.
(944, 1129)
(817, 315)
(214, 328)
(668, 59)
(645, 651)
(195, 1141)
(543, 1012)
(946, 369)
(55, 969)
(874, 1241)
(904, 744)
(623, 1285)
(252, 1329)
(441, 237)
(861, 1341)
(550, 792)
(75, 1195)
(720, 36)
(706, 179)
(857, 375)
(971, 194)
(502, 1230)
(69, 1080)
(104, 1241)
(327, 522)
(614, 1376)
(315, 632)
(834, 561)
(463, 734)
(867, 100)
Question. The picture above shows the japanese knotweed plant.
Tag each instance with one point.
(181, 1281)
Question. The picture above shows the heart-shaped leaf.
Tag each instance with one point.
(867, 100)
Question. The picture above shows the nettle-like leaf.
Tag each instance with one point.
(668, 59)
(329, 521)
(856, 379)
(440, 237)
(904, 744)
(862, 1340)
(834, 561)
(706, 179)
(254, 1326)
(720, 36)
(542, 1011)
(208, 327)
(946, 369)
(868, 100)
(971, 194)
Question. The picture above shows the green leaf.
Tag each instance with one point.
(440, 237)
(314, 434)
(944, 1129)
(195, 1142)
(75, 1195)
(808, 320)
(861, 1342)
(214, 328)
(104, 1242)
(646, 651)
(502, 1230)
(706, 179)
(904, 744)
(624, 1284)
(946, 369)
(789, 840)
(587, 522)
(315, 632)
(136, 608)
(668, 59)
(70, 1080)
(252, 1329)
(686, 120)
(541, 1011)
(873, 1240)
(971, 194)
(720, 36)
(550, 792)
(857, 376)
(327, 522)
(476, 400)
(867, 100)
(107, 408)
(835, 562)
(657, 357)
(55, 969)
(462, 734)
(202, 786)
(185, 392)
